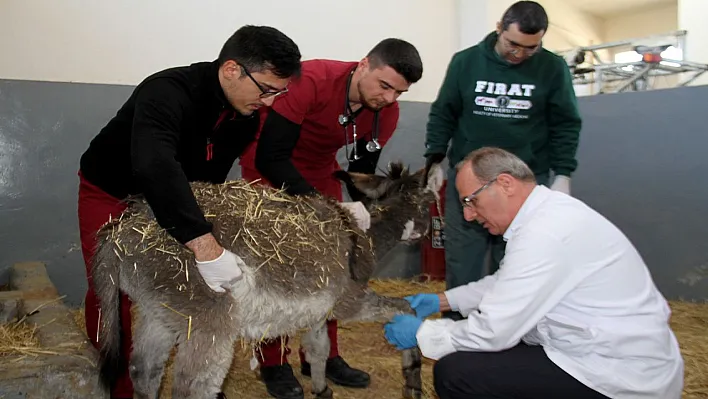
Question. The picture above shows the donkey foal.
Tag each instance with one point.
(305, 262)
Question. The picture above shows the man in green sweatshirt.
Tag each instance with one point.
(509, 92)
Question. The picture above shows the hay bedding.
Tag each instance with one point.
(18, 339)
(364, 346)
(689, 322)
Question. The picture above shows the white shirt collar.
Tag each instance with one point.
(537, 196)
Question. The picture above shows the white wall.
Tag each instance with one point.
(121, 42)
(476, 18)
(691, 17)
(569, 27)
(642, 22)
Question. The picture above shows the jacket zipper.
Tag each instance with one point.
(209, 144)
(209, 150)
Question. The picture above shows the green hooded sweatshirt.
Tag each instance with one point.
(529, 109)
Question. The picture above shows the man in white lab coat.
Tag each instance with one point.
(571, 313)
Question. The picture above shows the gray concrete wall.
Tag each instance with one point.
(641, 162)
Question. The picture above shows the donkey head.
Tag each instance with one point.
(398, 202)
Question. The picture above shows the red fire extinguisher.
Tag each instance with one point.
(433, 246)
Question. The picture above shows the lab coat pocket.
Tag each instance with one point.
(567, 335)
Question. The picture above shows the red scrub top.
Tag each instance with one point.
(315, 101)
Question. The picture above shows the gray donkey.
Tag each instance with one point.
(305, 261)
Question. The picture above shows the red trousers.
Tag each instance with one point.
(275, 352)
(271, 352)
(95, 208)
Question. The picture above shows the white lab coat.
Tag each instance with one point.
(573, 283)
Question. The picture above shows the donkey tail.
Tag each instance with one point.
(106, 277)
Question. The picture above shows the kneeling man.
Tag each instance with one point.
(572, 311)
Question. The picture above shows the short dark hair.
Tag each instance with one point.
(260, 48)
(399, 55)
(530, 16)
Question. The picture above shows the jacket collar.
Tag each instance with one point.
(215, 86)
(535, 199)
(488, 45)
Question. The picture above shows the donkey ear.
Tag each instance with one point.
(372, 186)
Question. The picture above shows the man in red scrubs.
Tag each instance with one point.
(333, 104)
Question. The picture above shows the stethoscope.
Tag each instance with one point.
(349, 118)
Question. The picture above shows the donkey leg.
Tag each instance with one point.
(316, 344)
(152, 343)
(363, 304)
(411, 363)
(201, 365)
(377, 307)
(369, 306)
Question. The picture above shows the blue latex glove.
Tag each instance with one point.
(401, 331)
(424, 304)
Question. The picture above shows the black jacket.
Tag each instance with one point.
(176, 127)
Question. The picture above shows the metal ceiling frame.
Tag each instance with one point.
(612, 77)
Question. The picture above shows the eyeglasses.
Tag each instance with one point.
(471, 200)
(515, 48)
(264, 93)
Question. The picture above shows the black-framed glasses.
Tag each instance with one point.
(471, 200)
(264, 93)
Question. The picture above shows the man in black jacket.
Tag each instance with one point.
(181, 125)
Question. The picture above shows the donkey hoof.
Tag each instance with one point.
(326, 394)
(412, 393)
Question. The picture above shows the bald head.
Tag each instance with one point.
(489, 162)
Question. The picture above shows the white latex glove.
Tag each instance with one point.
(361, 215)
(221, 273)
(562, 184)
(436, 178)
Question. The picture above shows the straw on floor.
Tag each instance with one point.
(18, 339)
(363, 346)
